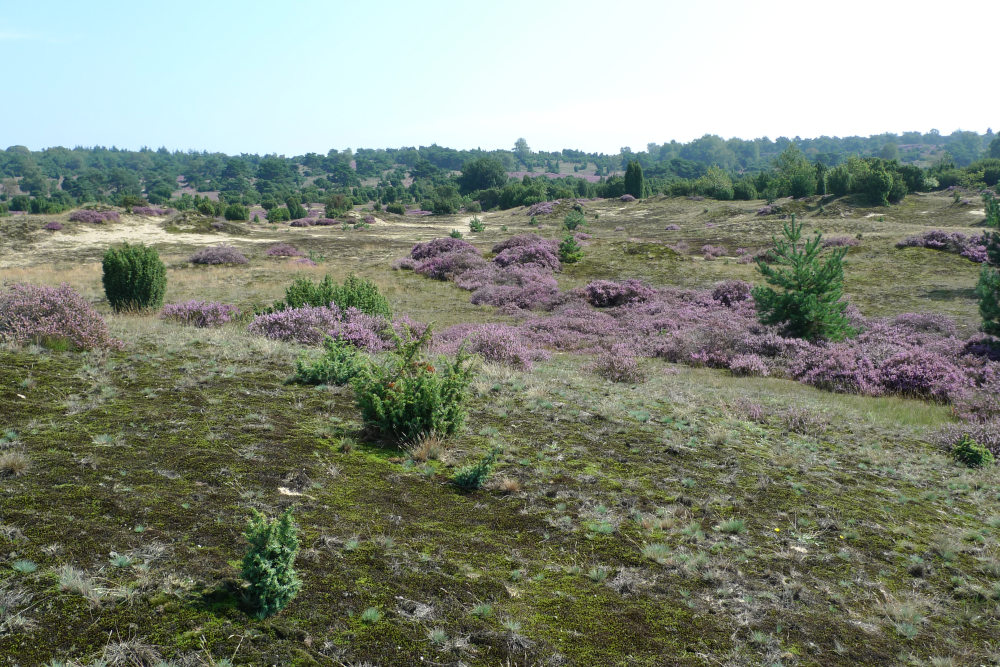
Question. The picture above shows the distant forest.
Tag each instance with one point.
(444, 179)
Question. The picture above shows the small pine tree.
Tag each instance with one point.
(476, 225)
(809, 304)
(634, 179)
(295, 210)
(971, 453)
(570, 251)
(476, 475)
(134, 277)
(988, 291)
(268, 563)
(237, 212)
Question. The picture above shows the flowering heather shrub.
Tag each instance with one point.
(731, 292)
(672, 228)
(840, 241)
(283, 250)
(696, 198)
(713, 251)
(750, 410)
(626, 198)
(609, 294)
(925, 374)
(541, 208)
(302, 261)
(751, 257)
(150, 211)
(369, 220)
(416, 211)
(404, 264)
(310, 324)
(925, 323)
(325, 222)
(449, 265)
(199, 313)
(502, 344)
(768, 210)
(971, 247)
(540, 255)
(53, 226)
(619, 364)
(38, 313)
(440, 247)
(94, 217)
(219, 254)
(986, 434)
(524, 240)
(582, 236)
(302, 222)
(218, 225)
(750, 365)
(619, 229)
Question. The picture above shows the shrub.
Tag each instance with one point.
(359, 293)
(134, 277)
(541, 208)
(570, 251)
(268, 565)
(339, 364)
(732, 292)
(151, 211)
(476, 475)
(219, 254)
(405, 395)
(325, 222)
(302, 222)
(744, 190)
(278, 214)
(476, 226)
(404, 264)
(573, 220)
(988, 291)
(633, 181)
(396, 208)
(53, 226)
(618, 364)
(713, 251)
(440, 247)
(838, 180)
(672, 228)
(809, 305)
(199, 313)
(627, 198)
(42, 314)
(540, 255)
(94, 217)
(282, 250)
(449, 265)
(751, 365)
(502, 344)
(455, 234)
(971, 453)
(295, 210)
(608, 294)
(840, 242)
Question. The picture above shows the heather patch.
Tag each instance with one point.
(151, 211)
(971, 247)
(309, 325)
(94, 217)
(283, 250)
(52, 315)
(199, 313)
(220, 254)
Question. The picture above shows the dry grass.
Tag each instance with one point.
(428, 447)
(14, 463)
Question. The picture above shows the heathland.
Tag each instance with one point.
(673, 484)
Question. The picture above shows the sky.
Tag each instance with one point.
(301, 76)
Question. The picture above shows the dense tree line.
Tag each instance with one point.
(442, 179)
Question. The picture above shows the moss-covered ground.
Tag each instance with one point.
(662, 523)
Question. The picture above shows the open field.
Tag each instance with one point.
(694, 519)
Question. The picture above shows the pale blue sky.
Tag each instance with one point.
(305, 75)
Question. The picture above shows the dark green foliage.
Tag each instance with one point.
(476, 475)
(267, 202)
(207, 207)
(356, 292)
(809, 303)
(569, 250)
(634, 179)
(476, 225)
(128, 201)
(838, 180)
(988, 292)
(20, 203)
(744, 190)
(971, 453)
(482, 173)
(573, 220)
(337, 205)
(405, 395)
(134, 277)
(237, 212)
(396, 207)
(295, 210)
(820, 178)
(876, 184)
(268, 565)
(455, 234)
(339, 364)
(899, 188)
(446, 200)
(278, 214)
